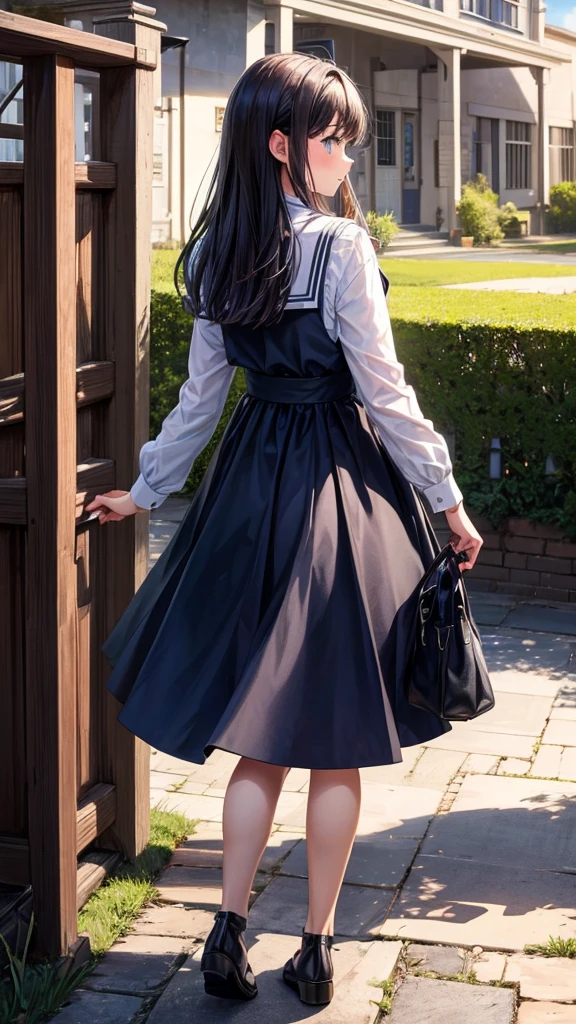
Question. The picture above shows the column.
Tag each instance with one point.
(541, 77)
(283, 20)
(449, 138)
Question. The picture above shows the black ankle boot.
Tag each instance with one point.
(310, 970)
(224, 963)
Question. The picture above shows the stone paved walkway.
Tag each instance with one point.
(465, 852)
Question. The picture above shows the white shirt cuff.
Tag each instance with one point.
(143, 495)
(444, 495)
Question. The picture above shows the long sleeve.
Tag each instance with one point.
(364, 329)
(166, 461)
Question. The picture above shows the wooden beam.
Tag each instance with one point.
(93, 477)
(50, 433)
(96, 812)
(127, 98)
(22, 36)
(92, 174)
(14, 860)
(92, 870)
(94, 382)
(11, 131)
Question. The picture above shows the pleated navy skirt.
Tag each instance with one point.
(275, 624)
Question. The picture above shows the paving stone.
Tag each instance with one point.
(431, 1001)
(203, 807)
(561, 732)
(162, 780)
(137, 963)
(481, 764)
(476, 742)
(201, 887)
(85, 1007)
(489, 966)
(514, 766)
(435, 768)
(543, 977)
(514, 715)
(160, 762)
(566, 714)
(547, 761)
(396, 810)
(499, 907)
(379, 862)
(203, 849)
(178, 921)
(395, 774)
(546, 1013)
(501, 820)
(355, 965)
(295, 780)
(519, 651)
(291, 809)
(524, 682)
(283, 907)
(568, 763)
(440, 959)
(552, 620)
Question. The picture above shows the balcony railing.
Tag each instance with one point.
(500, 12)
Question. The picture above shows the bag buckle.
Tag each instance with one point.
(438, 629)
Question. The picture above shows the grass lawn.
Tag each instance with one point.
(404, 271)
(415, 291)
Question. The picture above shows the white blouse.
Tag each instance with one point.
(354, 309)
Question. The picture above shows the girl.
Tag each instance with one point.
(263, 628)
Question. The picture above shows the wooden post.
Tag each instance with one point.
(127, 104)
(50, 430)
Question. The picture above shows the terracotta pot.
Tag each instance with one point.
(467, 241)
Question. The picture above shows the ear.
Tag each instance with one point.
(278, 144)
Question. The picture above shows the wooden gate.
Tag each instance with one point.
(74, 361)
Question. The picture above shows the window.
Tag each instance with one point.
(501, 12)
(518, 154)
(386, 138)
(269, 38)
(561, 141)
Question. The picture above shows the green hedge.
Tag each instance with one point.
(490, 375)
(561, 213)
(513, 381)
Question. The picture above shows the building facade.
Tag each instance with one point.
(454, 87)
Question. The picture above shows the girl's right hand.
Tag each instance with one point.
(114, 506)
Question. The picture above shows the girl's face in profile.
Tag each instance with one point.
(328, 161)
(327, 158)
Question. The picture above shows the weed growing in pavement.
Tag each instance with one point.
(553, 947)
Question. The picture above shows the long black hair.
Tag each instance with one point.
(245, 262)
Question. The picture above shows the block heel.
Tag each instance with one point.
(224, 963)
(310, 971)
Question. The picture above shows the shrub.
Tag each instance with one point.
(478, 211)
(511, 382)
(382, 226)
(561, 213)
(508, 219)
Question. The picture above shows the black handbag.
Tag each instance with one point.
(446, 672)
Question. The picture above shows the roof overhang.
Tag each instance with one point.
(401, 19)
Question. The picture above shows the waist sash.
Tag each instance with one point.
(299, 389)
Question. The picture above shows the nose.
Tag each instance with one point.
(348, 160)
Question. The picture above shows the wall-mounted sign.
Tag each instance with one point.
(219, 118)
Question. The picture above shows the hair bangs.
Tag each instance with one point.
(339, 101)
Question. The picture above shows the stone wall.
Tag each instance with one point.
(522, 558)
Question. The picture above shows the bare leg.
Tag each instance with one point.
(332, 818)
(249, 805)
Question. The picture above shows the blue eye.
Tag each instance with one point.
(327, 143)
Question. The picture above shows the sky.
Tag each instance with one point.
(561, 12)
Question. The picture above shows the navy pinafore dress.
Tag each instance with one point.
(271, 625)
